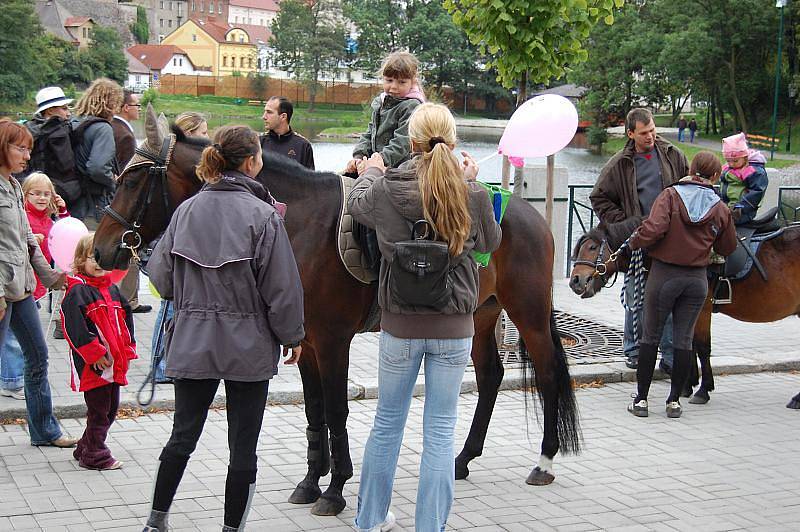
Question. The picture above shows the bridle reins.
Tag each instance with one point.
(131, 239)
(600, 266)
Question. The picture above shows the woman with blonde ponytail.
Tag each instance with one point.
(433, 186)
(226, 262)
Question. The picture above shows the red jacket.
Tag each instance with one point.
(41, 223)
(97, 321)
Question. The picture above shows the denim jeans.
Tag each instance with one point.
(159, 361)
(398, 367)
(12, 364)
(23, 319)
(680, 134)
(631, 349)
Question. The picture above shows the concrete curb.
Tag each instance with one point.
(512, 380)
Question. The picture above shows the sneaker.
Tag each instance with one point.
(638, 408)
(388, 523)
(14, 394)
(632, 362)
(674, 409)
(142, 309)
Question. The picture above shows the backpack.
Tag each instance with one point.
(53, 153)
(419, 272)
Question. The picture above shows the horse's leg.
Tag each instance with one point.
(319, 463)
(702, 344)
(333, 364)
(489, 375)
(794, 403)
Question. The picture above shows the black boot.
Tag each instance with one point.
(644, 372)
(319, 464)
(332, 502)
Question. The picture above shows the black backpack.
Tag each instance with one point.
(419, 273)
(53, 153)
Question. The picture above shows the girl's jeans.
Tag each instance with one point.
(22, 317)
(400, 360)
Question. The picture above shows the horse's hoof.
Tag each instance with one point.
(794, 404)
(462, 470)
(305, 494)
(699, 399)
(329, 505)
(539, 477)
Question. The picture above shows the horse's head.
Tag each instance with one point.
(159, 177)
(594, 263)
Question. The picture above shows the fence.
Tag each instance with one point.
(328, 92)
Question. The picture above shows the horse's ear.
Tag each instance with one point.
(151, 127)
(163, 125)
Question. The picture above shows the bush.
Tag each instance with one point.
(597, 136)
(149, 96)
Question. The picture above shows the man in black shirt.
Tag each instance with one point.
(280, 138)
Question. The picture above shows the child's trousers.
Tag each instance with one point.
(102, 404)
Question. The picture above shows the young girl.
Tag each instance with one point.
(387, 133)
(744, 179)
(98, 325)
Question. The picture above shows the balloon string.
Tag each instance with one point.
(490, 156)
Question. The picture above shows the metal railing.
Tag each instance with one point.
(790, 212)
(575, 214)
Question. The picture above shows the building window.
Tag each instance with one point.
(171, 5)
(211, 8)
(138, 78)
(162, 4)
(262, 22)
(161, 22)
(194, 37)
(236, 19)
(241, 38)
(249, 62)
(193, 7)
(174, 62)
(219, 8)
(241, 62)
(169, 23)
(224, 60)
(202, 6)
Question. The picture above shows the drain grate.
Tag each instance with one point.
(586, 341)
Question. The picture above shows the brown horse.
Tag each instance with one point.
(337, 306)
(754, 299)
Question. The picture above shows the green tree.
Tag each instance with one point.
(379, 24)
(20, 36)
(536, 40)
(141, 28)
(105, 55)
(308, 37)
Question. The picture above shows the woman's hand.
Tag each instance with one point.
(469, 167)
(60, 283)
(376, 161)
(295, 354)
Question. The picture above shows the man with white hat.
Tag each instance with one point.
(51, 101)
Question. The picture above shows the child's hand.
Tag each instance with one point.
(103, 363)
(39, 238)
(351, 167)
(60, 203)
(469, 166)
(376, 161)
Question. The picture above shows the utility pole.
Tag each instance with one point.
(781, 4)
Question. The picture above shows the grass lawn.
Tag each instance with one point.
(690, 150)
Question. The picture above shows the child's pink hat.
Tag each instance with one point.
(735, 146)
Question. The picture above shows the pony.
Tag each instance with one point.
(753, 299)
(337, 306)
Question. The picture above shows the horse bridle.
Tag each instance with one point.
(157, 172)
(600, 266)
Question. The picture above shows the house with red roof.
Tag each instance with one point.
(218, 47)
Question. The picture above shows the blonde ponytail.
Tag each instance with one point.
(445, 197)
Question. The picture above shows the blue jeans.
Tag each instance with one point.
(22, 317)
(159, 361)
(631, 349)
(12, 364)
(680, 134)
(398, 367)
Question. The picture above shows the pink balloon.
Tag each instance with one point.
(539, 127)
(63, 239)
(518, 162)
(117, 275)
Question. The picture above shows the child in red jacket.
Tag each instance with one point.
(98, 324)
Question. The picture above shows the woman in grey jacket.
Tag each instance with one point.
(19, 257)
(432, 187)
(226, 261)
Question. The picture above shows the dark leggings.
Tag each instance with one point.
(680, 290)
(245, 411)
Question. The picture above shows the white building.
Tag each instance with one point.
(252, 12)
(161, 59)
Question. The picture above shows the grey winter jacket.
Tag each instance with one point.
(387, 133)
(227, 262)
(95, 156)
(390, 203)
(19, 250)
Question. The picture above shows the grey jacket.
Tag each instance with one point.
(96, 156)
(390, 203)
(227, 262)
(19, 250)
(388, 130)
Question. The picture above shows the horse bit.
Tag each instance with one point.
(157, 172)
(600, 266)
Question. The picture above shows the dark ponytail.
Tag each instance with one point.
(232, 146)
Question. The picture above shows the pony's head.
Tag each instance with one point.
(593, 264)
(159, 178)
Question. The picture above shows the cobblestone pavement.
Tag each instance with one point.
(730, 465)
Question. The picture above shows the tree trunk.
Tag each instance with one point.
(740, 116)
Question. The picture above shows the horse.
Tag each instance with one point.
(337, 306)
(753, 299)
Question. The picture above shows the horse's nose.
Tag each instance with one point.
(575, 282)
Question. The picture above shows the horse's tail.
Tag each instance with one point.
(569, 430)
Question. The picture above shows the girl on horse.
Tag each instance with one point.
(685, 222)
(432, 188)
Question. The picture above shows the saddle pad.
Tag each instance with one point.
(739, 264)
(499, 197)
(349, 250)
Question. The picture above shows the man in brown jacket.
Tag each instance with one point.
(624, 193)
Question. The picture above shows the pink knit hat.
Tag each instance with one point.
(735, 146)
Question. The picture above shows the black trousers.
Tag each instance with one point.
(245, 411)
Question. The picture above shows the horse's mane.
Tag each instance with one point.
(180, 136)
(598, 234)
(277, 164)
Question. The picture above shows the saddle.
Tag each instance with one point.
(358, 250)
(741, 262)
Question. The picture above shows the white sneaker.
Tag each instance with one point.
(14, 394)
(388, 523)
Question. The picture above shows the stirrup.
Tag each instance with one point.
(723, 301)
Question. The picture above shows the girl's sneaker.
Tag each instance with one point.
(638, 408)
(14, 394)
(674, 409)
(388, 524)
